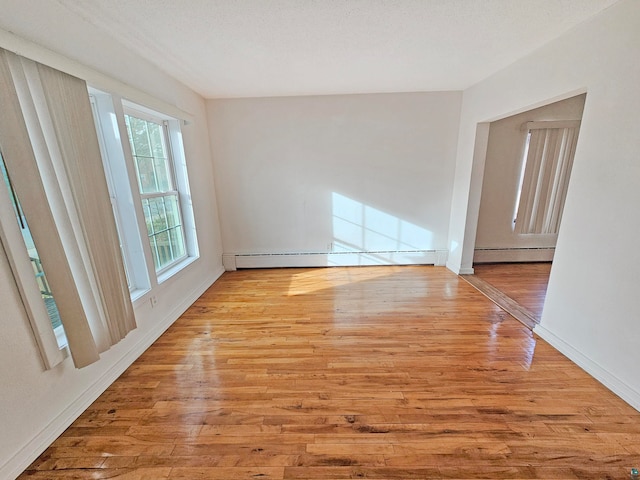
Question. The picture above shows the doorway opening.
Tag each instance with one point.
(526, 175)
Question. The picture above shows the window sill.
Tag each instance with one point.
(138, 293)
(167, 274)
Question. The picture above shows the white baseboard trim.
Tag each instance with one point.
(335, 259)
(28, 453)
(229, 262)
(459, 270)
(608, 379)
(497, 255)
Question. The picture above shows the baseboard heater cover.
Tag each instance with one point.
(529, 254)
(232, 261)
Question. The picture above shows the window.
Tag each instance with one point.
(157, 187)
(547, 161)
(146, 172)
(34, 259)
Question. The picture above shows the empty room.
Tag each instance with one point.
(304, 239)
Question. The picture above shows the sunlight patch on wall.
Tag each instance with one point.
(383, 238)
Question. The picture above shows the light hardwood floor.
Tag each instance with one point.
(525, 283)
(377, 372)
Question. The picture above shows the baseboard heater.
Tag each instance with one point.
(234, 261)
(497, 255)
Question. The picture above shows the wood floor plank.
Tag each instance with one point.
(377, 372)
(525, 283)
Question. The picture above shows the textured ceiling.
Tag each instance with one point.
(240, 48)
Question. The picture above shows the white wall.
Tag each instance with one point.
(501, 178)
(592, 305)
(364, 172)
(279, 162)
(37, 405)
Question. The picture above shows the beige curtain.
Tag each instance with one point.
(52, 153)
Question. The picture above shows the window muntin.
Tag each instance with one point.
(157, 187)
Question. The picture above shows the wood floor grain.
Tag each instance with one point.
(377, 372)
(525, 283)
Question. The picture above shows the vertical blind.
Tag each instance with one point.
(72, 119)
(51, 151)
(547, 169)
